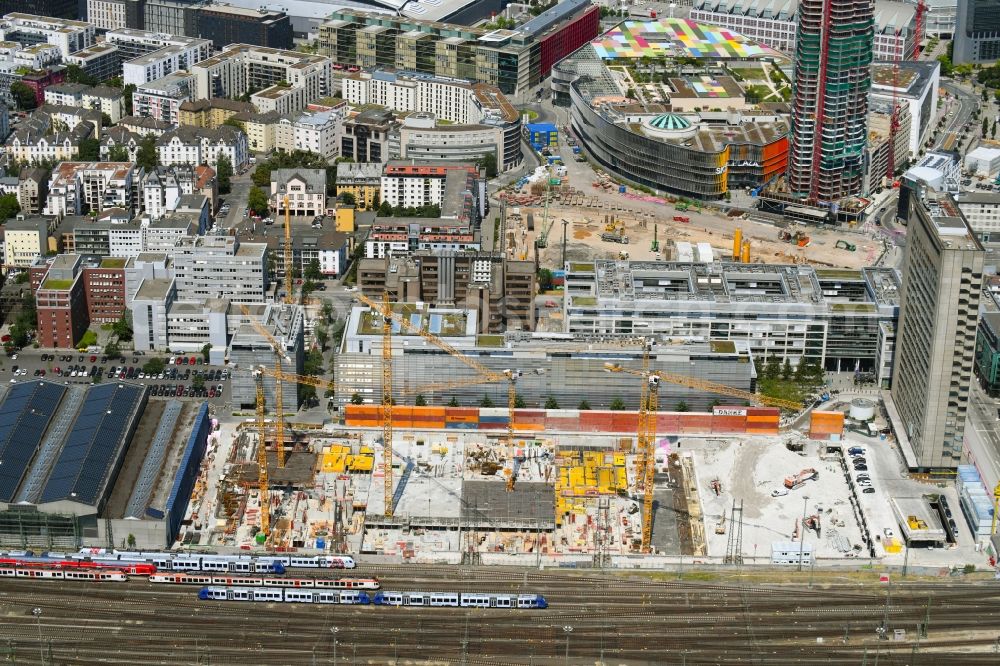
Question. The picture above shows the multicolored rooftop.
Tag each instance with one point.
(675, 37)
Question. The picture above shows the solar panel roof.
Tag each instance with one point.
(25, 413)
(93, 443)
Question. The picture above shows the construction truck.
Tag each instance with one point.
(682, 218)
(799, 480)
(614, 238)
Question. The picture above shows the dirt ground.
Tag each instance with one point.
(586, 209)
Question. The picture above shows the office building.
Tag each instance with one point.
(839, 320)
(977, 32)
(249, 349)
(220, 267)
(515, 60)
(982, 211)
(263, 71)
(939, 17)
(987, 368)
(772, 23)
(833, 58)
(936, 339)
(365, 137)
(224, 25)
(61, 303)
(500, 290)
(107, 14)
(172, 17)
(25, 239)
(569, 369)
(914, 85)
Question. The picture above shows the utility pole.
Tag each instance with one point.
(802, 531)
(927, 619)
(37, 612)
(565, 224)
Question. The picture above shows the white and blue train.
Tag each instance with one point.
(417, 599)
(165, 561)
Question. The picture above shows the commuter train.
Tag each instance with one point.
(91, 575)
(217, 563)
(52, 563)
(256, 581)
(420, 599)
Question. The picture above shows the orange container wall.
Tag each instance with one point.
(728, 423)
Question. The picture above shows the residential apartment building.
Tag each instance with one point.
(329, 248)
(939, 310)
(101, 99)
(365, 137)
(303, 189)
(161, 99)
(76, 188)
(25, 239)
(164, 234)
(32, 190)
(107, 14)
(839, 320)
(457, 188)
(172, 58)
(500, 290)
(317, 133)
(28, 29)
(221, 267)
(102, 61)
(391, 236)
(212, 113)
(194, 145)
(362, 181)
(513, 60)
(246, 68)
(164, 188)
(31, 146)
(260, 129)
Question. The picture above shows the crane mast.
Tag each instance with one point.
(262, 484)
(289, 298)
(387, 401)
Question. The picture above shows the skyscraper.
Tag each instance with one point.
(977, 31)
(833, 58)
(936, 338)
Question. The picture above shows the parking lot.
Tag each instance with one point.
(181, 377)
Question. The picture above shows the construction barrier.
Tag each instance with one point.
(722, 420)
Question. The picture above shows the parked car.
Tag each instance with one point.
(868, 491)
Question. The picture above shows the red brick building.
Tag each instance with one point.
(104, 287)
(72, 292)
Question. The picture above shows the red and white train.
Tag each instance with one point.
(91, 575)
(258, 581)
(131, 568)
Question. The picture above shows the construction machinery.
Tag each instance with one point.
(712, 387)
(614, 238)
(289, 296)
(646, 442)
(486, 375)
(842, 244)
(798, 238)
(813, 523)
(799, 480)
(655, 247)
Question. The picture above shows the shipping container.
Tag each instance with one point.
(453, 425)
(728, 423)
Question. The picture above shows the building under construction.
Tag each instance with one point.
(833, 58)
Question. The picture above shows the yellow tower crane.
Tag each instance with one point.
(486, 375)
(387, 402)
(262, 484)
(289, 297)
(279, 353)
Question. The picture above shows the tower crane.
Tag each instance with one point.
(387, 403)
(289, 297)
(279, 353)
(262, 484)
(486, 374)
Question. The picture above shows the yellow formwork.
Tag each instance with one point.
(338, 459)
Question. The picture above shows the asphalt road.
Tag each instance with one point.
(593, 617)
(968, 102)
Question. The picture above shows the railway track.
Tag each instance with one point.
(627, 619)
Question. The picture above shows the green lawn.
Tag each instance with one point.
(787, 389)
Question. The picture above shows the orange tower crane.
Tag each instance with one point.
(486, 375)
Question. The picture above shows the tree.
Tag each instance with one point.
(617, 405)
(384, 209)
(519, 401)
(584, 406)
(153, 366)
(488, 162)
(551, 403)
(312, 270)
(347, 198)
(986, 127)
(224, 173)
(206, 351)
(127, 98)
(9, 207)
(313, 364)
(118, 154)
(420, 401)
(683, 407)
(486, 402)
(90, 149)
(23, 96)
(106, 120)
(76, 74)
(146, 156)
(257, 201)
(232, 122)
(772, 368)
(453, 402)
(130, 541)
(356, 399)
(122, 329)
(786, 370)
(993, 130)
(111, 349)
(322, 336)
(544, 279)
(198, 382)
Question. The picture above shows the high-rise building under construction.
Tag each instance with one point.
(833, 58)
